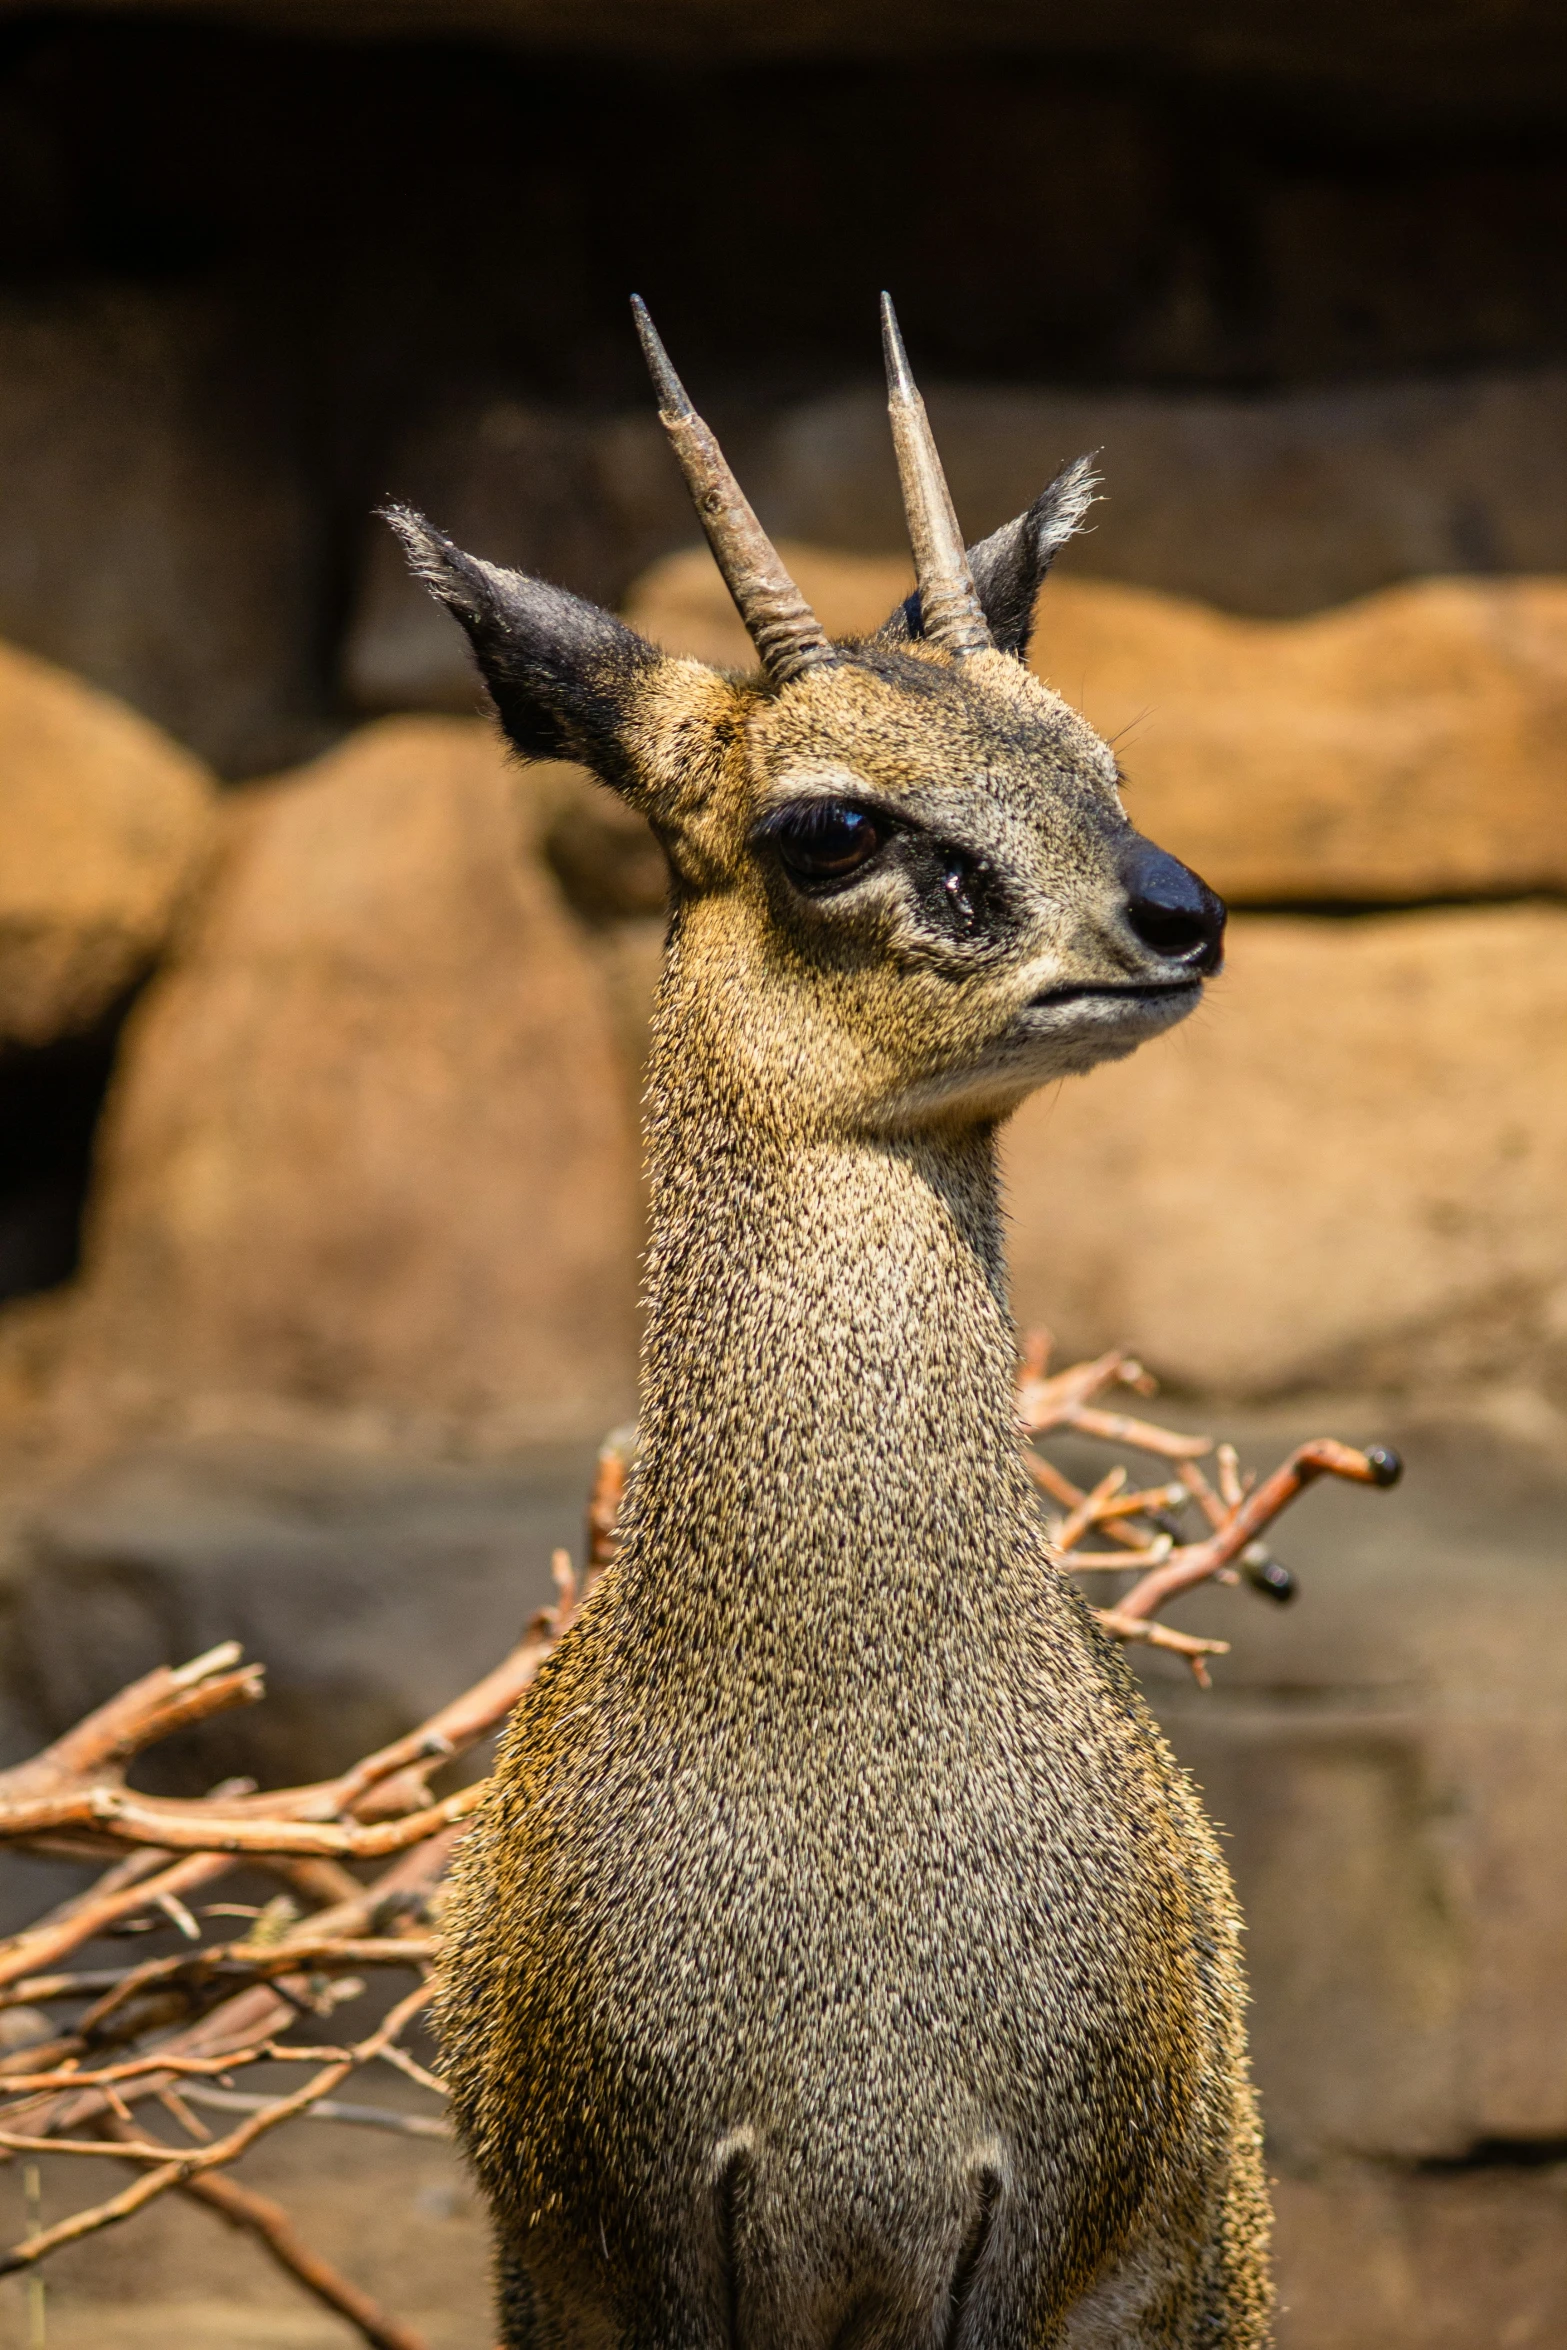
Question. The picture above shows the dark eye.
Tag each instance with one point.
(827, 841)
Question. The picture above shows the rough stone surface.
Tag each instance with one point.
(1407, 746)
(1388, 1757)
(1270, 507)
(103, 824)
(158, 534)
(602, 853)
(372, 1590)
(368, 1156)
(1273, 506)
(1350, 1164)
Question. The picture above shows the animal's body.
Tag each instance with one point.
(841, 1962)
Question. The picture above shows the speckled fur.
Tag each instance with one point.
(841, 1962)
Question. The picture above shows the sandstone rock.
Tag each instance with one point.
(373, 1590)
(602, 853)
(1349, 1165)
(1271, 506)
(103, 822)
(1388, 1758)
(1406, 746)
(368, 1152)
(158, 535)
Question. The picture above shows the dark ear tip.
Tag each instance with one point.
(433, 558)
(418, 537)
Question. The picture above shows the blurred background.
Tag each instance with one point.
(321, 1027)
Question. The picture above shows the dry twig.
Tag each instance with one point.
(1143, 1523)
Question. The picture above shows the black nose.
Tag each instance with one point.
(1171, 910)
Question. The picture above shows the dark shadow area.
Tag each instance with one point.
(50, 1102)
(462, 208)
(241, 273)
(1500, 2154)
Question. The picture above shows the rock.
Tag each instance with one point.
(1272, 506)
(1348, 1166)
(1388, 1760)
(1268, 506)
(601, 852)
(368, 1156)
(159, 538)
(103, 823)
(1406, 746)
(1415, 2259)
(373, 1590)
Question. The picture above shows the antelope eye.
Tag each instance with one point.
(827, 841)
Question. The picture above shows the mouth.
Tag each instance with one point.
(1142, 991)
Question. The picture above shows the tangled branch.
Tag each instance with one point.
(1143, 1527)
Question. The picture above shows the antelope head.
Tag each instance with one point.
(904, 888)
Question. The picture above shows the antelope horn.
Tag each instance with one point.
(951, 614)
(784, 629)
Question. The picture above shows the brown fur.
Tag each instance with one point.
(840, 1959)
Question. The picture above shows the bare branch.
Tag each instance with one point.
(200, 2160)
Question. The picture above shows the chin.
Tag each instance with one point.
(1075, 1033)
(1066, 1037)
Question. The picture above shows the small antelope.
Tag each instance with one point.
(840, 1961)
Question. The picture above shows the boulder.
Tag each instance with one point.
(368, 1156)
(103, 823)
(1349, 1165)
(372, 1589)
(1406, 746)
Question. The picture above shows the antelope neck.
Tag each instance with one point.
(828, 1404)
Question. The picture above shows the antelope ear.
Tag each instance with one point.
(1009, 567)
(568, 680)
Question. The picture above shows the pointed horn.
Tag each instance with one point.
(951, 614)
(784, 629)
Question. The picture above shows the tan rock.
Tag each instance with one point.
(103, 822)
(1406, 746)
(369, 1153)
(1349, 1165)
(1388, 1759)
